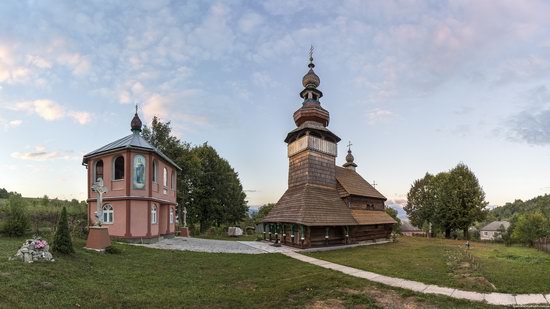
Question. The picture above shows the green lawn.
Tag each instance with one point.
(486, 267)
(142, 277)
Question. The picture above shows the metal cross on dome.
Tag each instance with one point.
(349, 145)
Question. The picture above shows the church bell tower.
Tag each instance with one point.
(312, 147)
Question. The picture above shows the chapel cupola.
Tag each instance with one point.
(311, 109)
(136, 123)
(349, 160)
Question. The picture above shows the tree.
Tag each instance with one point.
(529, 227)
(420, 206)
(449, 200)
(45, 200)
(208, 186)
(396, 228)
(17, 221)
(262, 212)
(62, 241)
(4, 193)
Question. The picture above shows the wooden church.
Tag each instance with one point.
(324, 204)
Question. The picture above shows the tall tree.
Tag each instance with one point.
(17, 221)
(208, 186)
(420, 206)
(529, 227)
(62, 242)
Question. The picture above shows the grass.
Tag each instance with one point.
(486, 267)
(140, 277)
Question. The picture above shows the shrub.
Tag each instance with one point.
(112, 250)
(62, 242)
(17, 221)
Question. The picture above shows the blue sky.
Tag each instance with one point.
(416, 86)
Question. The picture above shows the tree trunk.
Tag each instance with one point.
(466, 235)
(447, 233)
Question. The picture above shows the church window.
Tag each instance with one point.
(108, 213)
(173, 180)
(118, 169)
(165, 179)
(98, 170)
(154, 214)
(171, 215)
(155, 171)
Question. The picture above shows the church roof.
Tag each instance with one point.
(495, 226)
(132, 141)
(364, 217)
(354, 184)
(311, 205)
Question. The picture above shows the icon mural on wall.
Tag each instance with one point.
(138, 178)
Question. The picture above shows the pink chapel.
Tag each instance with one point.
(140, 203)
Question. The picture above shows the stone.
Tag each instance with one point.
(530, 299)
(34, 250)
(234, 231)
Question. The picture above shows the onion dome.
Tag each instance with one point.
(136, 123)
(311, 80)
(349, 160)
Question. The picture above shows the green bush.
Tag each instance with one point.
(62, 242)
(112, 250)
(17, 221)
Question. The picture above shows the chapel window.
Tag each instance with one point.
(155, 171)
(154, 215)
(98, 170)
(118, 168)
(108, 213)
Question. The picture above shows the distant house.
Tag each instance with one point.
(490, 231)
(407, 229)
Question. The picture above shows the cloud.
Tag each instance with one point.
(378, 114)
(10, 124)
(250, 21)
(532, 127)
(40, 154)
(50, 110)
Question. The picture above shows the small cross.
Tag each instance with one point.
(349, 146)
(374, 184)
(311, 53)
(136, 108)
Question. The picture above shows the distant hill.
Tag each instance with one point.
(539, 203)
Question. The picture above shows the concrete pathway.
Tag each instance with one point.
(204, 245)
(490, 298)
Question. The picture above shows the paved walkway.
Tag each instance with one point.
(205, 245)
(490, 298)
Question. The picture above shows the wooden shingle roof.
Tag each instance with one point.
(371, 217)
(354, 184)
(311, 205)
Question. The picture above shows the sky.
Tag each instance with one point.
(416, 86)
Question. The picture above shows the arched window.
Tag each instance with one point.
(118, 170)
(171, 215)
(154, 214)
(98, 171)
(154, 170)
(108, 213)
(165, 175)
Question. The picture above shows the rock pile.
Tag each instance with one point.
(33, 250)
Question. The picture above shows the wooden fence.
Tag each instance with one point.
(543, 244)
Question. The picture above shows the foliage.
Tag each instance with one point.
(17, 221)
(505, 235)
(5, 194)
(538, 204)
(529, 227)
(449, 200)
(396, 228)
(209, 187)
(112, 250)
(262, 212)
(62, 241)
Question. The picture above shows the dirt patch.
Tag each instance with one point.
(391, 299)
(328, 304)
